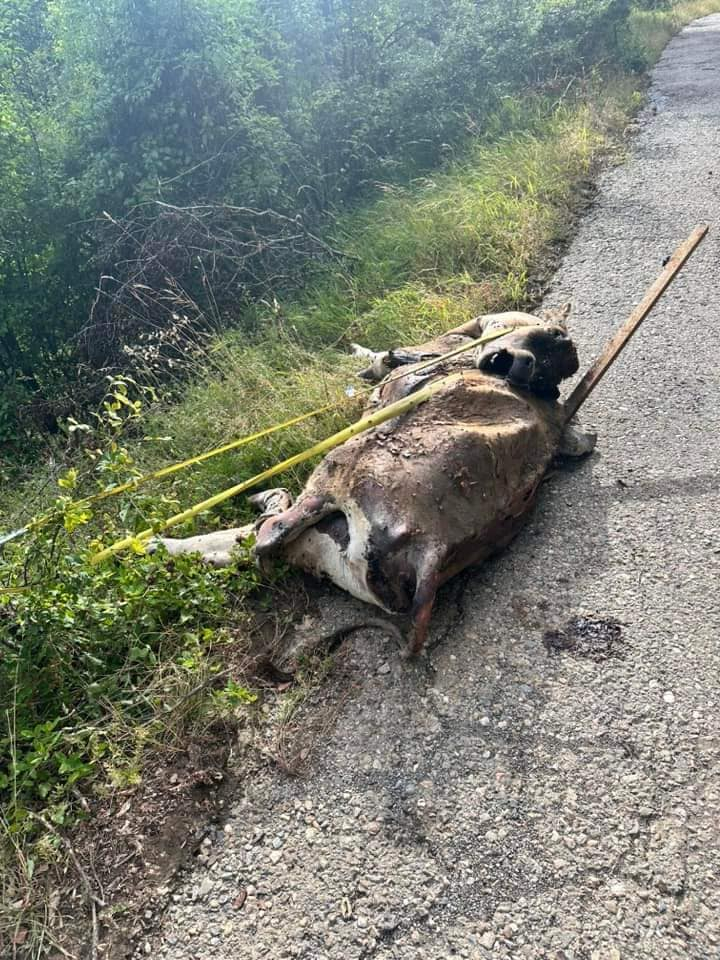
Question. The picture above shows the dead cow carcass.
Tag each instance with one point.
(392, 514)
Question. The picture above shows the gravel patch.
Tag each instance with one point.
(500, 797)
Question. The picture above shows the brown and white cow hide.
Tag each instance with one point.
(395, 512)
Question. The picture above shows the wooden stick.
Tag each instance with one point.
(597, 371)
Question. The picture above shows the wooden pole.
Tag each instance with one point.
(597, 371)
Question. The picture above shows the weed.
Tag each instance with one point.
(652, 29)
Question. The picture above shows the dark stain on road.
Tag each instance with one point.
(592, 638)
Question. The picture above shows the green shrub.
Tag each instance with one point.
(87, 648)
(302, 107)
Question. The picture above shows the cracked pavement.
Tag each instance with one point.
(519, 792)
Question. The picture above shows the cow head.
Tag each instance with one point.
(536, 357)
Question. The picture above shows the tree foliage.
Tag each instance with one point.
(299, 106)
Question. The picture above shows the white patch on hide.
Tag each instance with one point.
(319, 554)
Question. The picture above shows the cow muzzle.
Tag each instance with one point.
(517, 366)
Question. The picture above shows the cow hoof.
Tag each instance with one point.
(414, 645)
(576, 442)
(409, 651)
(271, 502)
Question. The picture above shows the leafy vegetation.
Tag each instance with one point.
(169, 143)
(653, 24)
(80, 642)
(469, 169)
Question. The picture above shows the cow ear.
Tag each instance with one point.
(557, 316)
(564, 312)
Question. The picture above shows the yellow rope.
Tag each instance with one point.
(243, 441)
(169, 470)
(366, 423)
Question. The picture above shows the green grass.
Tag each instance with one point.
(466, 241)
(654, 28)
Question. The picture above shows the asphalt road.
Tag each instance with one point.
(519, 792)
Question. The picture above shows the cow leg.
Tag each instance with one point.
(277, 531)
(426, 590)
(217, 548)
(576, 442)
(382, 363)
(379, 363)
(420, 616)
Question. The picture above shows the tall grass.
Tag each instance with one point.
(472, 239)
(652, 29)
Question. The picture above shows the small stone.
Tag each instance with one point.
(669, 696)
(384, 668)
(275, 856)
(389, 923)
(484, 721)
(204, 887)
(487, 940)
(277, 843)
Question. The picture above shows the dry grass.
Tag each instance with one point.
(471, 239)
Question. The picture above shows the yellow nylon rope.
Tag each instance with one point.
(243, 441)
(366, 423)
